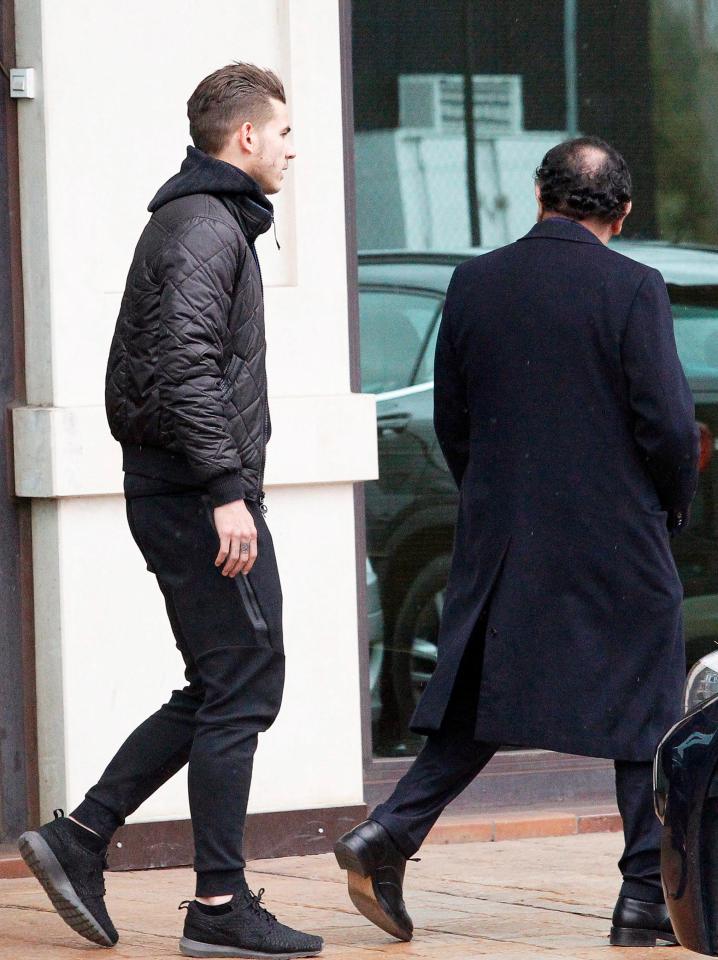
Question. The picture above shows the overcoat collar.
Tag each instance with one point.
(561, 228)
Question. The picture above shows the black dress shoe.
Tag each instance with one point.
(375, 870)
(637, 923)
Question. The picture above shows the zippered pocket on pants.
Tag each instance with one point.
(253, 609)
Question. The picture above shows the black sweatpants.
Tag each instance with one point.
(452, 757)
(229, 633)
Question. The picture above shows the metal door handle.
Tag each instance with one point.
(393, 421)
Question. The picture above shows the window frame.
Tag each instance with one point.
(400, 290)
(513, 778)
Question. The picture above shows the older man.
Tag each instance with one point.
(568, 425)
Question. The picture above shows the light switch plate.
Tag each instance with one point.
(22, 83)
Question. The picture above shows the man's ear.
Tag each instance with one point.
(537, 193)
(617, 225)
(247, 137)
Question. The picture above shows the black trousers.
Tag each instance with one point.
(229, 633)
(451, 758)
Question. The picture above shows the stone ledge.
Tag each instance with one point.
(12, 866)
(521, 824)
(69, 452)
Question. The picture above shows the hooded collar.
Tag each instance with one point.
(201, 173)
(561, 228)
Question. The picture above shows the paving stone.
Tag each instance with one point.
(540, 898)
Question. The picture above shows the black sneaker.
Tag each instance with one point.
(72, 878)
(247, 930)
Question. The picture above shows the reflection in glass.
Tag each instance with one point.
(524, 76)
(394, 328)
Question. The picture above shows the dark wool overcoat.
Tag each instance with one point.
(568, 424)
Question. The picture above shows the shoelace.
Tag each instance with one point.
(255, 904)
(253, 901)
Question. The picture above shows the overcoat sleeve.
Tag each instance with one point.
(663, 413)
(451, 414)
(196, 268)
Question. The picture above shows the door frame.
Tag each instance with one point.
(19, 781)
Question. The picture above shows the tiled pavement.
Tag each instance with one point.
(543, 897)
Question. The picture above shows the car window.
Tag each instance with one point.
(394, 326)
(425, 370)
(696, 329)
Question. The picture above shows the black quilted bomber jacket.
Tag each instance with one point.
(186, 388)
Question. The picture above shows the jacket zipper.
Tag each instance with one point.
(265, 424)
(265, 440)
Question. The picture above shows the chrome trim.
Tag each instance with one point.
(404, 391)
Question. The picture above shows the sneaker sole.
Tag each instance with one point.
(194, 948)
(39, 857)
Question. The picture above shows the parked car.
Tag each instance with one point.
(686, 798)
(411, 508)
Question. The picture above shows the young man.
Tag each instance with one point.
(568, 425)
(186, 396)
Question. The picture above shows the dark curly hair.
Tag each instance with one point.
(585, 177)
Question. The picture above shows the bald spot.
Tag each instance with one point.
(590, 160)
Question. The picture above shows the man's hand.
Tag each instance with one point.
(237, 538)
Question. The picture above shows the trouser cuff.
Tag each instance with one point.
(405, 845)
(648, 892)
(94, 815)
(217, 883)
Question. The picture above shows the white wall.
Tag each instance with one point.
(107, 128)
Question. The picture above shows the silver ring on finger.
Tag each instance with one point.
(244, 548)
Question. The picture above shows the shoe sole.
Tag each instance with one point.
(39, 857)
(632, 937)
(362, 895)
(194, 948)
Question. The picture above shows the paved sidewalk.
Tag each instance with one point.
(548, 897)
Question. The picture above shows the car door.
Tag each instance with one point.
(438, 488)
(695, 314)
(395, 325)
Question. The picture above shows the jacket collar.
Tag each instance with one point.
(241, 194)
(253, 217)
(561, 228)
